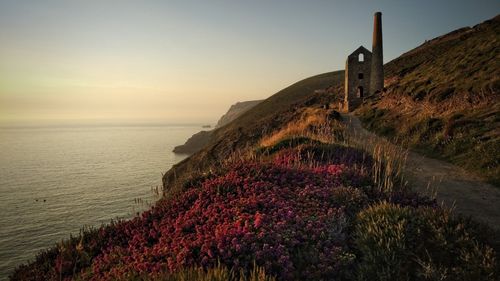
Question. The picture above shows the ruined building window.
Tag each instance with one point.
(361, 57)
(360, 75)
(360, 92)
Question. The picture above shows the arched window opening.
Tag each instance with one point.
(361, 57)
(360, 75)
(360, 92)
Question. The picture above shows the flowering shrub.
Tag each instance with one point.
(70, 256)
(321, 154)
(292, 214)
(269, 214)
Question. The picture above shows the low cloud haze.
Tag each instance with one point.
(188, 61)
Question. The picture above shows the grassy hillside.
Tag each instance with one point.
(442, 99)
(304, 206)
(268, 116)
(283, 192)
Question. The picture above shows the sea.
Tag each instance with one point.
(54, 180)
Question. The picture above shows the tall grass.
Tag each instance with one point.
(389, 160)
(218, 273)
(389, 238)
(388, 166)
(314, 123)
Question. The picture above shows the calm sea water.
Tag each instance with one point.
(53, 181)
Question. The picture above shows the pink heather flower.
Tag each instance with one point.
(266, 213)
(258, 220)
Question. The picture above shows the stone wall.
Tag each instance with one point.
(357, 78)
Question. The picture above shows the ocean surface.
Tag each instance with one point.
(55, 180)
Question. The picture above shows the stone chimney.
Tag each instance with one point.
(377, 68)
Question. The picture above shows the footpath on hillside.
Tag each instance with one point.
(455, 187)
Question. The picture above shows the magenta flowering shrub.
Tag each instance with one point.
(356, 163)
(287, 220)
(291, 215)
(323, 154)
(72, 255)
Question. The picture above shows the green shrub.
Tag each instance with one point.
(387, 131)
(380, 236)
(402, 243)
(287, 143)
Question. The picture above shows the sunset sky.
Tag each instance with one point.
(188, 61)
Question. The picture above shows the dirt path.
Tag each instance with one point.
(454, 185)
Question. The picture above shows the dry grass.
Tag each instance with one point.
(219, 273)
(389, 160)
(388, 166)
(442, 100)
(313, 123)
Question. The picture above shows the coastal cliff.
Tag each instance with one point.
(285, 192)
(200, 139)
(235, 111)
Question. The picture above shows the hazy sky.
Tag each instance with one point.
(188, 61)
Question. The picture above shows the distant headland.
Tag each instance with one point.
(200, 139)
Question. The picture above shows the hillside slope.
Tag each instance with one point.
(442, 99)
(297, 209)
(302, 202)
(268, 116)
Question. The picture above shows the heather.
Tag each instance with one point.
(305, 211)
(285, 193)
(291, 220)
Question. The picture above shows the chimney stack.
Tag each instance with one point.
(377, 68)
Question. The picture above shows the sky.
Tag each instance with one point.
(173, 62)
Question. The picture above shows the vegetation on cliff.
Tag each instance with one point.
(284, 193)
(197, 141)
(442, 99)
(247, 130)
(309, 204)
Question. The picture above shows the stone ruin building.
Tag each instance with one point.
(364, 70)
